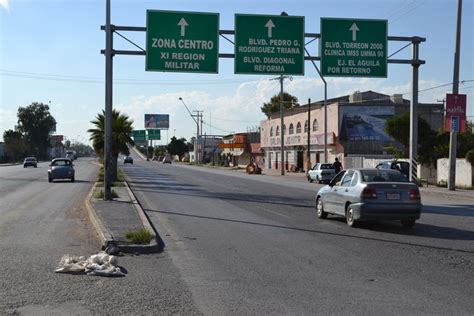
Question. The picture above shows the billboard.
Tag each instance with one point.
(161, 121)
(364, 123)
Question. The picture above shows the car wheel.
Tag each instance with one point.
(409, 223)
(72, 179)
(309, 179)
(50, 180)
(36, 166)
(351, 222)
(320, 208)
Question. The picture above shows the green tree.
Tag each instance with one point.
(121, 131)
(14, 145)
(398, 127)
(177, 147)
(273, 106)
(35, 122)
(431, 145)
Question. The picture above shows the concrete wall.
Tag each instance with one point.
(463, 172)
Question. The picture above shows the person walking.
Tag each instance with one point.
(337, 165)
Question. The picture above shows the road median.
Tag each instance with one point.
(114, 219)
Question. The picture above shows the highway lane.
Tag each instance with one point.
(253, 244)
(40, 222)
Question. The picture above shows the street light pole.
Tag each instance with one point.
(197, 128)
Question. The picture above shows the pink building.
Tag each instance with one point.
(355, 126)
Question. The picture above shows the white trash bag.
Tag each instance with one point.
(100, 264)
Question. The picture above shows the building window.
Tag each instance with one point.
(306, 126)
(271, 131)
(298, 128)
(283, 131)
(292, 129)
(277, 133)
(315, 125)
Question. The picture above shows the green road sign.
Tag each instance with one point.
(353, 47)
(139, 135)
(269, 44)
(154, 134)
(182, 41)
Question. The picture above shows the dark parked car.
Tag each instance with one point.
(30, 161)
(402, 166)
(128, 159)
(370, 194)
(61, 168)
(167, 159)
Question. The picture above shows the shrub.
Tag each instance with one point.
(139, 237)
(470, 157)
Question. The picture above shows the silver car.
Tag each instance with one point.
(370, 194)
(61, 168)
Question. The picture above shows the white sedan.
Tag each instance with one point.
(321, 172)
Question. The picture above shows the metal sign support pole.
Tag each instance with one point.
(414, 114)
(325, 107)
(308, 153)
(108, 106)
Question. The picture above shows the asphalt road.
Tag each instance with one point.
(40, 222)
(253, 245)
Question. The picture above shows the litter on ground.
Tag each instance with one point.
(100, 264)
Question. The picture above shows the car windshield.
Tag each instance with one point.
(326, 166)
(61, 163)
(30, 159)
(382, 176)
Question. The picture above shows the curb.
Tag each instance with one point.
(448, 194)
(154, 245)
(105, 236)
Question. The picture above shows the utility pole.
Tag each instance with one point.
(453, 134)
(282, 116)
(199, 136)
(197, 128)
(108, 105)
(414, 115)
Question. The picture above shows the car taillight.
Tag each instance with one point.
(414, 194)
(368, 193)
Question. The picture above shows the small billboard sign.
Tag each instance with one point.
(161, 121)
(455, 109)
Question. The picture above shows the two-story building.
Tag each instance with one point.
(355, 126)
(240, 149)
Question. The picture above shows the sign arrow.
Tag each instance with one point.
(183, 25)
(354, 30)
(270, 25)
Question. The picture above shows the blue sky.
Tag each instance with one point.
(50, 51)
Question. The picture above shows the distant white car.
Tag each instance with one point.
(321, 172)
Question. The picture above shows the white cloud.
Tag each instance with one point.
(4, 4)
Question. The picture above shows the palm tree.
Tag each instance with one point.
(121, 131)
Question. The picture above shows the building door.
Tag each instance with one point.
(299, 160)
(270, 160)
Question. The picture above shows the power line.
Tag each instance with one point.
(87, 79)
